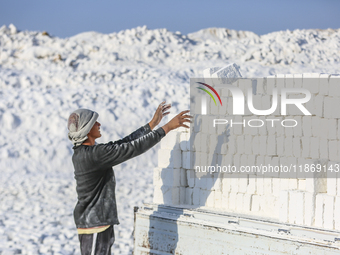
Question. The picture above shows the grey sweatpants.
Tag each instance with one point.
(98, 243)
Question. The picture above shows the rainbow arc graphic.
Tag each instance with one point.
(209, 93)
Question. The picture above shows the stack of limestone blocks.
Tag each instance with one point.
(302, 201)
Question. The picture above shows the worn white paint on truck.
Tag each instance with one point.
(161, 229)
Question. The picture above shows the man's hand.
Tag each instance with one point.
(177, 121)
(159, 114)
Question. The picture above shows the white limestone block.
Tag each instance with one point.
(309, 208)
(297, 147)
(203, 197)
(227, 74)
(200, 180)
(225, 200)
(284, 206)
(315, 147)
(318, 108)
(311, 82)
(239, 201)
(237, 161)
(333, 150)
(267, 186)
(319, 210)
(171, 141)
(184, 141)
(336, 213)
(251, 188)
(240, 145)
(338, 185)
(331, 127)
(289, 80)
(280, 141)
(316, 126)
(209, 71)
(204, 161)
(226, 183)
(323, 148)
(251, 160)
(298, 129)
(332, 186)
(328, 214)
(284, 184)
(183, 177)
(255, 144)
(302, 184)
(263, 130)
(171, 176)
(170, 195)
(271, 145)
(189, 160)
(210, 199)
(157, 179)
(305, 146)
(288, 146)
(260, 186)
(331, 106)
(197, 142)
(247, 202)
(271, 84)
(247, 142)
(263, 145)
(307, 126)
(182, 195)
(255, 203)
(334, 85)
(292, 184)
(190, 178)
(292, 207)
(196, 196)
(260, 86)
(232, 200)
(158, 195)
(197, 123)
(169, 158)
(242, 184)
(324, 84)
(189, 196)
(276, 186)
(316, 185)
(218, 199)
(210, 182)
(280, 81)
(298, 80)
(217, 181)
(300, 207)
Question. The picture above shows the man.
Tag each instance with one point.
(96, 211)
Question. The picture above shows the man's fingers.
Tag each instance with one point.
(165, 113)
(185, 120)
(186, 116)
(166, 108)
(184, 112)
(184, 126)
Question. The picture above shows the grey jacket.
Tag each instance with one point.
(95, 178)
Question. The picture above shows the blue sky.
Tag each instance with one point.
(66, 18)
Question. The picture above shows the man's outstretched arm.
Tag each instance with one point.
(113, 153)
(159, 114)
